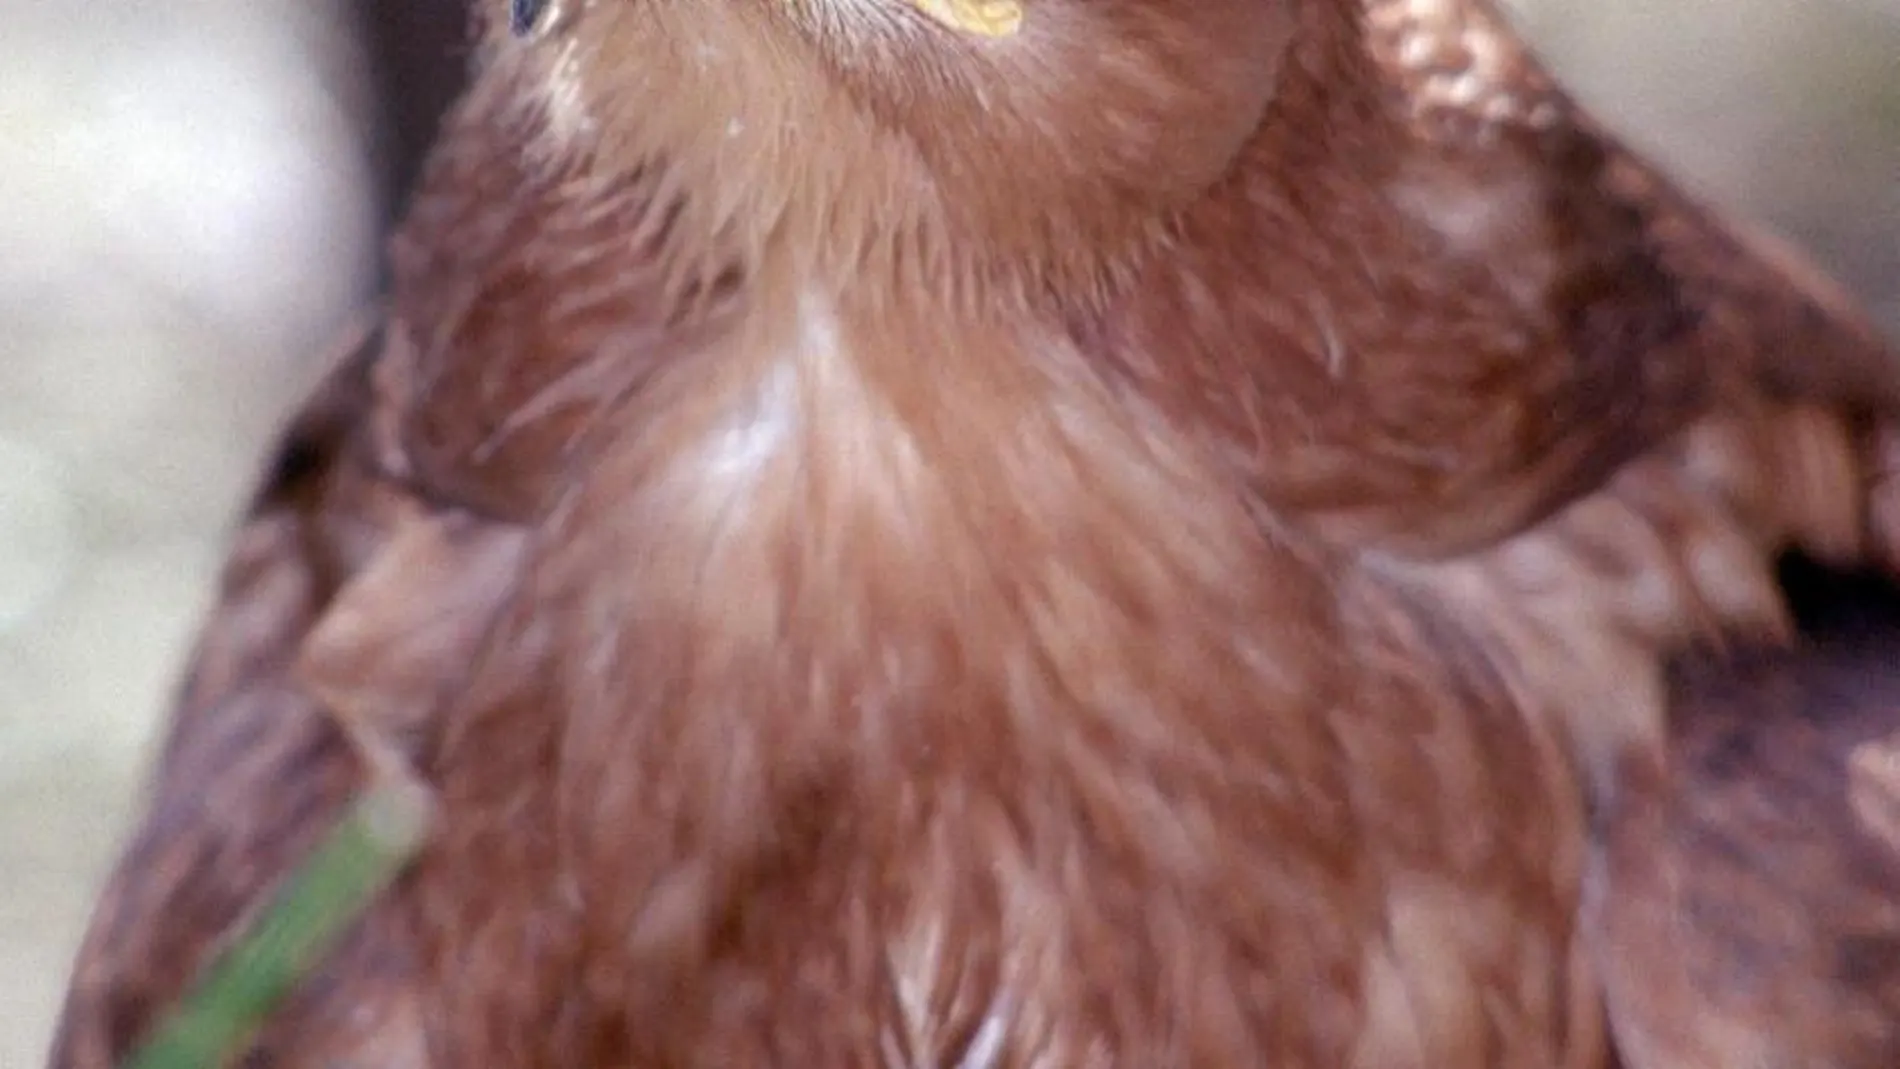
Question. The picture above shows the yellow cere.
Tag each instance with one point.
(989, 18)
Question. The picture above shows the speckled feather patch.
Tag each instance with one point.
(1462, 65)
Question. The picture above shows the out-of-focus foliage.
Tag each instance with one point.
(185, 216)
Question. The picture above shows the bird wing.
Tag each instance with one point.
(1743, 896)
(1694, 400)
(253, 769)
(1647, 314)
(344, 600)
(1748, 897)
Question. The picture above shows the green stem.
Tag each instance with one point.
(362, 855)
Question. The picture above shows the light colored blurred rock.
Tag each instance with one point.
(183, 221)
(36, 526)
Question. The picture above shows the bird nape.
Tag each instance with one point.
(1057, 532)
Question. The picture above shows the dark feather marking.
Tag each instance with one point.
(524, 16)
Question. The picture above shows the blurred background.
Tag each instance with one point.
(191, 200)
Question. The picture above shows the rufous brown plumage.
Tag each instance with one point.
(1012, 532)
(1746, 913)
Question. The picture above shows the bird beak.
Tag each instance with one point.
(985, 18)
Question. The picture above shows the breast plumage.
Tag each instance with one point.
(1004, 532)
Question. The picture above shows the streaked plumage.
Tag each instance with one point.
(1137, 541)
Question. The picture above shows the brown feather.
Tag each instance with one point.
(1136, 542)
(1749, 911)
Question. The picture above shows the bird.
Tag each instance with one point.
(1017, 532)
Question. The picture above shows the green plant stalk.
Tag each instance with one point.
(361, 856)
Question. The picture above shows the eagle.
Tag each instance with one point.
(968, 533)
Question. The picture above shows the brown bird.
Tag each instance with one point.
(1007, 532)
